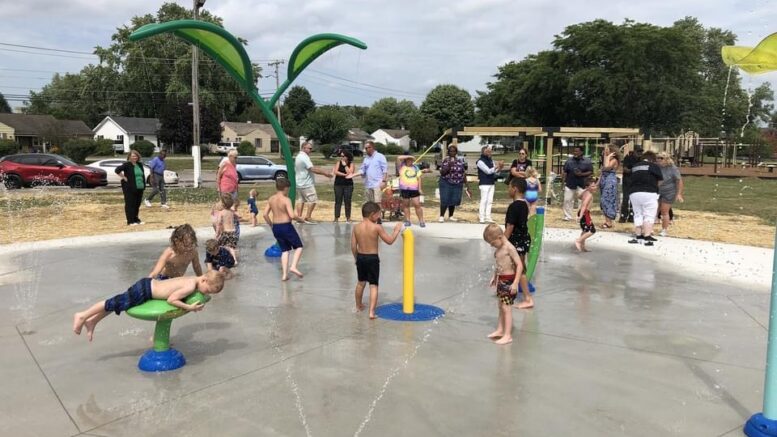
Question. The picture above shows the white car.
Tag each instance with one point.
(110, 165)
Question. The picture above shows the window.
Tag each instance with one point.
(238, 139)
(100, 137)
(261, 161)
(119, 139)
(258, 143)
(139, 137)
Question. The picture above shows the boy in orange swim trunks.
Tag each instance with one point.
(507, 275)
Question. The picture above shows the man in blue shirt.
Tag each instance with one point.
(576, 169)
(157, 166)
(374, 168)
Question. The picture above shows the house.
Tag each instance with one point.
(37, 132)
(393, 136)
(356, 138)
(126, 130)
(261, 135)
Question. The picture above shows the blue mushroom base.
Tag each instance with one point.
(273, 251)
(154, 361)
(421, 312)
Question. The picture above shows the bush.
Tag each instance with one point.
(144, 147)
(245, 148)
(8, 147)
(104, 147)
(78, 150)
(380, 147)
(327, 150)
(393, 149)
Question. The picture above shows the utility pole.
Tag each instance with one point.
(196, 101)
(276, 63)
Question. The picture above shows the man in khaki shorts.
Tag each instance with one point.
(374, 169)
(306, 188)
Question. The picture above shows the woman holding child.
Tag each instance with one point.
(133, 182)
(671, 189)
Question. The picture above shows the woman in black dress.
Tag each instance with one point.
(343, 186)
(133, 182)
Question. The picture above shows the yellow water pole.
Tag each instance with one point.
(408, 274)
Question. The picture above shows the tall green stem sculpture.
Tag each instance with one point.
(225, 49)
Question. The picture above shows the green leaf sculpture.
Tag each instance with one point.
(761, 59)
(225, 49)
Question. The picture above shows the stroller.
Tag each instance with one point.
(391, 203)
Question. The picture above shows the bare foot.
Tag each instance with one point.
(296, 272)
(285, 278)
(504, 340)
(525, 304)
(578, 245)
(360, 307)
(373, 316)
(90, 324)
(78, 323)
(495, 334)
(585, 249)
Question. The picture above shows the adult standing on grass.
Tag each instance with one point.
(157, 166)
(671, 188)
(306, 186)
(226, 179)
(132, 186)
(487, 170)
(576, 169)
(633, 157)
(453, 179)
(374, 169)
(608, 185)
(519, 166)
(343, 186)
(646, 177)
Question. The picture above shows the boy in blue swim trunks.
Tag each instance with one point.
(278, 214)
(219, 258)
(173, 290)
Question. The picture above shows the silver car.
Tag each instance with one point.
(259, 167)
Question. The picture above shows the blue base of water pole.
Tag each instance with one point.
(273, 251)
(153, 361)
(760, 426)
(421, 312)
(531, 288)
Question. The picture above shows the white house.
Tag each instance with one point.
(393, 136)
(126, 130)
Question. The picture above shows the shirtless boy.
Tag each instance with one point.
(176, 259)
(278, 214)
(587, 227)
(507, 275)
(226, 231)
(364, 245)
(173, 290)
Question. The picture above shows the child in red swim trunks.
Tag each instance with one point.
(587, 227)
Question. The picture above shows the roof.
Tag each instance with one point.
(43, 125)
(396, 133)
(133, 125)
(243, 129)
(356, 134)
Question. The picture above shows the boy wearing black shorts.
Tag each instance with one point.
(516, 225)
(364, 245)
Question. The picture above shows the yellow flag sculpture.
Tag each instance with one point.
(754, 60)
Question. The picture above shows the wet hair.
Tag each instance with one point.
(649, 156)
(183, 239)
(370, 208)
(216, 280)
(227, 201)
(519, 184)
(282, 183)
(588, 181)
(492, 232)
(212, 245)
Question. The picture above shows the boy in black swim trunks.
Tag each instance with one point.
(278, 214)
(587, 227)
(219, 258)
(365, 239)
(517, 232)
(173, 290)
(507, 273)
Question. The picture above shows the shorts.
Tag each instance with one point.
(409, 194)
(287, 237)
(138, 293)
(368, 268)
(586, 224)
(161, 277)
(229, 239)
(307, 194)
(373, 195)
(522, 243)
(504, 290)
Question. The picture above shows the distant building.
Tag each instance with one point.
(393, 136)
(126, 130)
(261, 135)
(356, 138)
(39, 132)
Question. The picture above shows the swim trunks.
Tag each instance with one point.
(586, 224)
(137, 294)
(368, 268)
(409, 194)
(522, 242)
(503, 289)
(222, 259)
(287, 237)
(228, 239)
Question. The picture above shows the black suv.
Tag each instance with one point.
(354, 149)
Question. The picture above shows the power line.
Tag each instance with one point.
(44, 48)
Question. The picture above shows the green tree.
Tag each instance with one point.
(327, 125)
(388, 113)
(449, 105)
(299, 104)
(424, 130)
(177, 126)
(4, 107)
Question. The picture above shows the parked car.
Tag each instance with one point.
(28, 169)
(109, 166)
(354, 149)
(259, 167)
(223, 148)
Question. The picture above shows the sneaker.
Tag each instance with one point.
(347, 221)
(637, 239)
(310, 222)
(164, 206)
(662, 233)
(650, 238)
(648, 243)
(133, 224)
(148, 204)
(453, 219)
(408, 224)
(441, 219)
(482, 222)
(422, 224)
(140, 223)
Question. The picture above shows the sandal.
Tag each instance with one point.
(606, 226)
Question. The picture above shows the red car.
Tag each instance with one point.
(28, 169)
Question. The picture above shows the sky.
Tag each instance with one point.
(412, 45)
